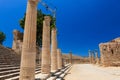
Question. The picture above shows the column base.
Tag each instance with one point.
(42, 76)
(53, 72)
(59, 70)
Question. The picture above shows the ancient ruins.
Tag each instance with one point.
(26, 61)
(17, 41)
(110, 53)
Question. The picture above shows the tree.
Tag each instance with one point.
(2, 37)
(40, 18)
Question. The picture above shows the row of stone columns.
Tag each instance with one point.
(50, 62)
(93, 57)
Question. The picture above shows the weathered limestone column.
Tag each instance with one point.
(97, 59)
(54, 66)
(17, 42)
(67, 61)
(63, 62)
(70, 58)
(59, 59)
(90, 56)
(27, 67)
(96, 55)
(14, 40)
(45, 60)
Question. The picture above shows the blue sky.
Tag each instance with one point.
(82, 24)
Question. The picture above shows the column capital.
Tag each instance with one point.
(34, 2)
(54, 29)
(47, 18)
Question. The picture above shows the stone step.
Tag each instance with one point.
(65, 73)
(17, 77)
(37, 72)
(57, 74)
(9, 72)
(12, 68)
(13, 78)
(63, 70)
(62, 76)
(1, 65)
(3, 77)
(8, 68)
(52, 78)
(59, 79)
(68, 70)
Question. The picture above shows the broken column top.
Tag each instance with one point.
(47, 18)
(54, 29)
(34, 0)
(17, 35)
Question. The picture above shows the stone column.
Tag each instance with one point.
(97, 59)
(67, 61)
(17, 42)
(45, 59)
(63, 62)
(54, 66)
(96, 55)
(27, 67)
(90, 56)
(70, 58)
(59, 59)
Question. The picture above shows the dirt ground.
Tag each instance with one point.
(93, 72)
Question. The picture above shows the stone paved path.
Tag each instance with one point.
(92, 72)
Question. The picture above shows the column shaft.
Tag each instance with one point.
(27, 68)
(54, 51)
(70, 58)
(46, 46)
(59, 58)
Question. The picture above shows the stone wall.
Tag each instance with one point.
(110, 53)
(76, 59)
(18, 42)
(8, 56)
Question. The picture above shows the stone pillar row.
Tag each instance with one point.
(49, 63)
(93, 57)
